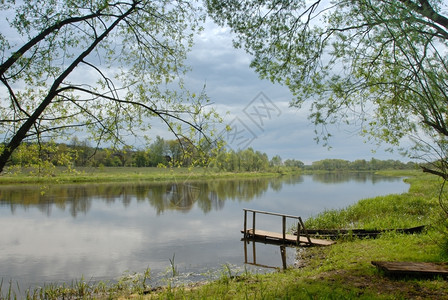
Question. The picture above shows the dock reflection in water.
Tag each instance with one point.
(247, 244)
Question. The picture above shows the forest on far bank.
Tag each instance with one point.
(170, 153)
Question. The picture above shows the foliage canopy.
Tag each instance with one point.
(380, 64)
(99, 67)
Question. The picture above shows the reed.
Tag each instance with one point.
(173, 267)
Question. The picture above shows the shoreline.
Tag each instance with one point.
(128, 174)
(154, 174)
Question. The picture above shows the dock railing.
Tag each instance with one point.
(300, 225)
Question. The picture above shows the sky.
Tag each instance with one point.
(259, 111)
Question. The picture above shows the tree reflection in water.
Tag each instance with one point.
(77, 198)
(338, 177)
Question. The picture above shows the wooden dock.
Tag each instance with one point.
(414, 269)
(302, 238)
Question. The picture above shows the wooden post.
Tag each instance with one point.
(298, 233)
(254, 252)
(304, 230)
(245, 224)
(253, 223)
(284, 228)
(245, 251)
(283, 255)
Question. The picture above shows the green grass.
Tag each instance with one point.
(417, 207)
(123, 174)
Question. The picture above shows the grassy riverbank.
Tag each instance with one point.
(124, 174)
(341, 271)
(344, 270)
(127, 174)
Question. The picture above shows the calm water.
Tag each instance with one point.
(100, 231)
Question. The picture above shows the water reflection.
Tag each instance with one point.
(207, 195)
(361, 177)
(250, 255)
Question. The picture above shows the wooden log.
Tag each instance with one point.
(268, 236)
(336, 233)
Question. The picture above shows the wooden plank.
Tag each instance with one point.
(422, 269)
(288, 237)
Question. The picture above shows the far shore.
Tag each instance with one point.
(128, 174)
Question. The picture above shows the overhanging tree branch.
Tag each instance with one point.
(22, 131)
(136, 50)
(41, 36)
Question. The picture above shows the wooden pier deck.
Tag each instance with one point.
(414, 269)
(302, 237)
(288, 239)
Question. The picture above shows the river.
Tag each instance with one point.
(62, 233)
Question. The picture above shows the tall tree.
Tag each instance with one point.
(104, 66)
(157, 152)
(380, 64)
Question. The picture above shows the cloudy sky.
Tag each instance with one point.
(259, 111)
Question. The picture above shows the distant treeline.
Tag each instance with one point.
(179, 153)
(81, 154)
(360, 165)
